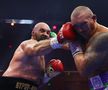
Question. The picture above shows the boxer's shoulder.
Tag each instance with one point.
(28, 42)
(99, 38)
(99, 42)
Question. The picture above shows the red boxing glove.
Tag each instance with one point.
(54, 67)
(66, 33)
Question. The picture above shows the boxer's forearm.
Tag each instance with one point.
(42, 47)
(84, 66)
(80, 63)
(88, 63)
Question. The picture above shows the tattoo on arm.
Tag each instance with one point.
(97, 53)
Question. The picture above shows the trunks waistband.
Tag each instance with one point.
(12, 83)
(99, 82)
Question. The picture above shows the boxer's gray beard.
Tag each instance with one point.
(42, 37)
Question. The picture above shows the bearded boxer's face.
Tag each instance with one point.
(43, 34)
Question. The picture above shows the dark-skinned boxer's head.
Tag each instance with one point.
(41, 31)
(83, 20)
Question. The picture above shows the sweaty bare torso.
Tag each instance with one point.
(99, 45)
(25, 66)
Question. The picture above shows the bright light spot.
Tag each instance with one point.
(54, 27)
(12, 24)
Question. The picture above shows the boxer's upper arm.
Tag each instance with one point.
(37, 48)
(97, 53)
(27, 48)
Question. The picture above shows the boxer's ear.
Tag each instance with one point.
(94, 17)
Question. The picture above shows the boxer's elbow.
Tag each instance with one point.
(29, 51)
(86, 70)
(82, 67)
(82, 71)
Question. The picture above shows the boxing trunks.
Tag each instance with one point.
(99, 82)
(11, 83)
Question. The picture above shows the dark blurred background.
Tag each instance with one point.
(53, 12)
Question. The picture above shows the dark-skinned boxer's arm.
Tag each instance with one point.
(95, 57)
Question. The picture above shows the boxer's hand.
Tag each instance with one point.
(53, 35)
(54, 67)
(75, 48)
(66, 33)
(53, 41)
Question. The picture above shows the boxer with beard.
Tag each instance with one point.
(27, 67)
